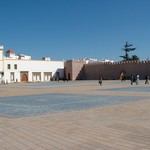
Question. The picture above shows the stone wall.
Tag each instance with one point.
(79, 70)
(74, 69)
(112, 71)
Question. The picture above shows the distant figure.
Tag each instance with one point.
(146, 79)
(137, 79)
(122, 77)
(132, 79)
(100, 80)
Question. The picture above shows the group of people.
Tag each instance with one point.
(134, 78)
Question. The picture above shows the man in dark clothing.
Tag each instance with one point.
(146, 79)
(100, 80)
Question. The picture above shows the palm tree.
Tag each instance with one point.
(135, 57)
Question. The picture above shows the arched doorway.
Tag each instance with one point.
(69, 76)
(24, 76)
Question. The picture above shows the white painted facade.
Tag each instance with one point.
(18, 69)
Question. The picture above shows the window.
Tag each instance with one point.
(8, 66)
(15, 66)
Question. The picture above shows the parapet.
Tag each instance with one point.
(118, 63)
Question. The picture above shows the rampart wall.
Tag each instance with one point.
(112, 71)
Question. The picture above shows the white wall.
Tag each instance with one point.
(1, 66)
(32, 66)
(1, 52)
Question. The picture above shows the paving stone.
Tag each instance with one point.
(123, 126)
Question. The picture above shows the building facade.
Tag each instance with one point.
(22, 69)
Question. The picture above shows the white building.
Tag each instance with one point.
(22, 69)
(106, 60)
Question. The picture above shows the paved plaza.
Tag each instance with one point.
(75, 115)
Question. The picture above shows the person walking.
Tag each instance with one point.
(122, 77)
(132, 79)
(146, 79)
(137, 79)
(100, 80)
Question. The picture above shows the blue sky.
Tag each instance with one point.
(67, 29)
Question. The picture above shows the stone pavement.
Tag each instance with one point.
(117, 127)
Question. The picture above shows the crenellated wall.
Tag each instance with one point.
(78, 70)
(112, 71)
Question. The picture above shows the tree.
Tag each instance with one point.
(128, 48)
(135, 57)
